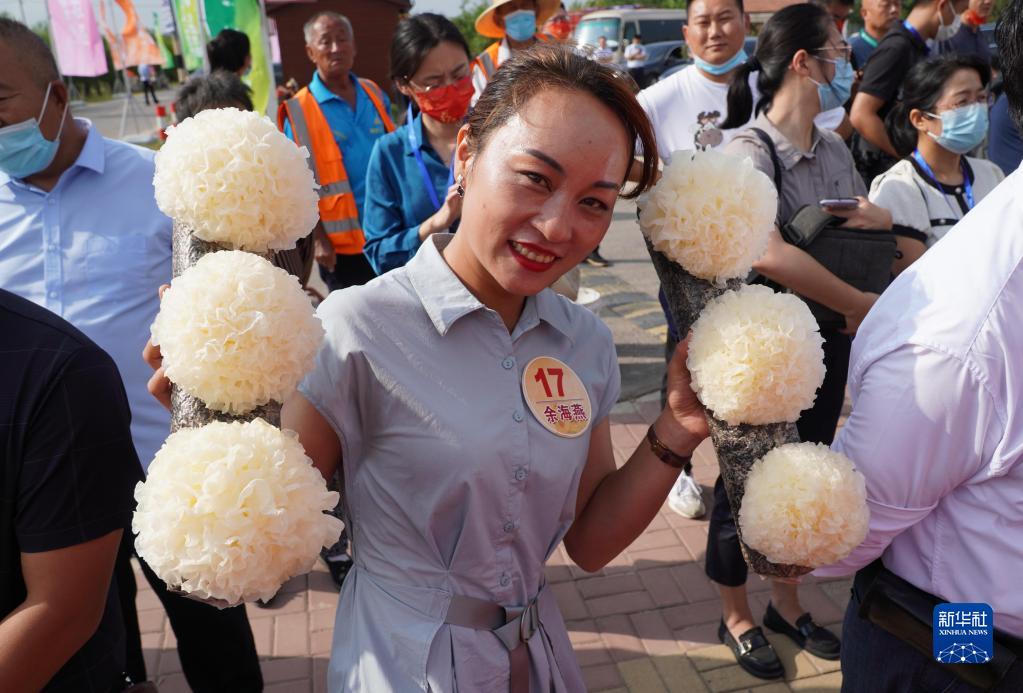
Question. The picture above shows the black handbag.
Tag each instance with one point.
(859, 257)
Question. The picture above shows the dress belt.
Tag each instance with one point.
(513, 626)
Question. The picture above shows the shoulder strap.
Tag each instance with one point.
(775, 161)
(376, 95)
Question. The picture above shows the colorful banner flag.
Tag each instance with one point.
(193, 41)
(134, 45)
(246, 16)
(76, 38)
(164, 43)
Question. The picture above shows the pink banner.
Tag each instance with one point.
(76, 38)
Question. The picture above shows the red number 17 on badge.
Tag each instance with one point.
(541, 377)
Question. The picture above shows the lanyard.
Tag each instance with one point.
(870, 40)
(912, 29)
(967, 185)
(417, 152)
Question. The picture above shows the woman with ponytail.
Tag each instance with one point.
(802, 68)
(942, 115)
(411, 192)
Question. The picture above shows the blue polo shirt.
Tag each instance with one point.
(354, 131)
(397, 201)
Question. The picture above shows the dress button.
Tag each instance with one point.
(521, 474)
(53, 294)
(517, 416)
(53, 248)
(509, 527)
(505, 580)
(508, 363)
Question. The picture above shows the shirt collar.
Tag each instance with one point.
(787, 152)
(446, 299)
(320, 91)
(92, 156)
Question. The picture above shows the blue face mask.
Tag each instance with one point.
(835, 93)
(23, 149)
(725, 67)
(962, 128)
(520, 25)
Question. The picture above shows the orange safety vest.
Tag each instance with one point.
(309, 127)
(488, 62)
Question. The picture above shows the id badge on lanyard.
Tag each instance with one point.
(417, 152)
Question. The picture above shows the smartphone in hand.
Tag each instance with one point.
(840, 203)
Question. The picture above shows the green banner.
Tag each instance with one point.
(163, 41)
(193, 43)
(245, 16)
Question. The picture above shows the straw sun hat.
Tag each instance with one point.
(486, 24)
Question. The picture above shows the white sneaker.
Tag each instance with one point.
(686, 499)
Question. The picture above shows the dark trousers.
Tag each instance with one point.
(875, 661)
(725, 564)
(147, 89)
(349, 270)
(638, 75)
(216, 647)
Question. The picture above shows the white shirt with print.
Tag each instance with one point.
(688, 106)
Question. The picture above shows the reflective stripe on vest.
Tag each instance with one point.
(338, 210)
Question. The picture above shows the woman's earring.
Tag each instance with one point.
(460, 190)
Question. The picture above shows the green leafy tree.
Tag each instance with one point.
(465, 20)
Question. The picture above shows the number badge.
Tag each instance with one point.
(557, 397)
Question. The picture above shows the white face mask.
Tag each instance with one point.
(947, 31)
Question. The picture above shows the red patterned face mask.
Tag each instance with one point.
(449, 103)
(973, 19)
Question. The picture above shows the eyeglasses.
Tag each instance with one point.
(457, 75)
(844, 48)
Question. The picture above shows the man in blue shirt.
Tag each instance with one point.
(356, 111)
(81, 235)
(1005, 144)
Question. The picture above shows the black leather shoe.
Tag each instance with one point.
(596, 259)
(808, 635)
(753, 652)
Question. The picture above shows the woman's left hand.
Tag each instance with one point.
(159, 384)
(867, 215)
(683, 424)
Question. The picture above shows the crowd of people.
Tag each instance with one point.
(443, 224)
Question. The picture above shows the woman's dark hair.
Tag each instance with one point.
(1009, 35)
(228, 50)
(415, 37)
(547, 67)
(922, 90)
(792, 29)
(219, 90)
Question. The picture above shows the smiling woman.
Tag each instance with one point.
(468, 404)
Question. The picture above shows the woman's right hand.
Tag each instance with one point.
(855, 316)
(444, 217)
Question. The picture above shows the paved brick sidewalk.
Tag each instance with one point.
(646, 623)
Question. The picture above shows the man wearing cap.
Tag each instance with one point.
(514, 22)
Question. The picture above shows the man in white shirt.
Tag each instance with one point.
(602, 54)
(937, 430)
(684, 111)
(635, 60)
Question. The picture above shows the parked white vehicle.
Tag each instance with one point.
(620, 25)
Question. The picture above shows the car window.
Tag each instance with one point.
(589, 30)
(653, 30)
